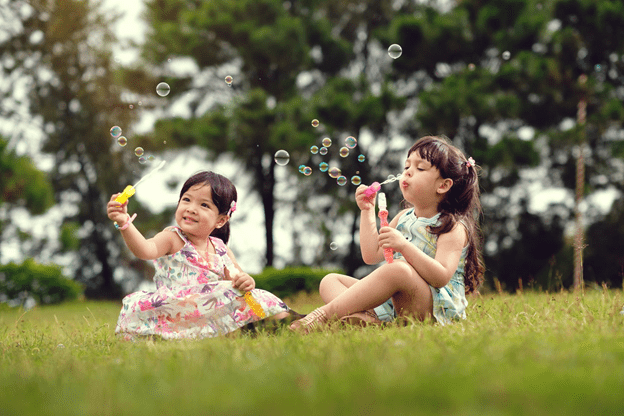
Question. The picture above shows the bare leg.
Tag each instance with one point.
(334, 284)
(398, 280)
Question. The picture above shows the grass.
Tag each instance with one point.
(530, 354)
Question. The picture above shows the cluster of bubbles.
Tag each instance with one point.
(122, 141)
(282, 158)
(229, 80)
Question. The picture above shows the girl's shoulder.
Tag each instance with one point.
(220, 247)
(178, 239)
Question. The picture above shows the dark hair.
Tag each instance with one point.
(223, 193)
(461, 202)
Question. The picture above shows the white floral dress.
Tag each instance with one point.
(193, 299)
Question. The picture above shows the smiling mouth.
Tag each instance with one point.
(187, 219)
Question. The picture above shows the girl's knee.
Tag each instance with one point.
(328, 280)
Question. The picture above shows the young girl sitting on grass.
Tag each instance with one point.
(436, 242)
(200, 286)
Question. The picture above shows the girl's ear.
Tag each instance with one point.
(223, 219)
(445, 185)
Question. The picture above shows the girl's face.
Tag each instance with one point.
(196, 214)
(421, 183)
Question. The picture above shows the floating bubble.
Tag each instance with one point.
(307, 171)
(506, 55)
(122, 141)
(356, 180)
(395, 51)
(351, 142)
(131, 106)
(315, 123)
(327, 142)
(471, 67)
(323, 150)
(335, 172)
(333, 245)
(323, 166)
(314, 150)
(142, 159)
(163, 89)
(228, 80)
(140, 103)
(598, 67)
(164, 141)
(342, 180)
(281, 157)
(139, 151)
(115, 131)
(361, 158)
(344, 151)
(151, 158)
(301, 167)
(391, 178)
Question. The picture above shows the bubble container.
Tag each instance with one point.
(383, 217)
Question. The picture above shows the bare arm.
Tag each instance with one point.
(436, 271)
(240, 279)
(145, 249)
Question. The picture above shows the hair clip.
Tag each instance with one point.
(470, 162)
(232, 209)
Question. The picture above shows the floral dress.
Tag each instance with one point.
(449, 302)
(193, 299)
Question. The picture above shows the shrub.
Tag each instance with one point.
(44, 283)
(290, 280)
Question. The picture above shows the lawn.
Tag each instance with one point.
(530, 354)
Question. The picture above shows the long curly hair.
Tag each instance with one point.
(461, 203)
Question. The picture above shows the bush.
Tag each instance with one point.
(290, 280)
(44, 283)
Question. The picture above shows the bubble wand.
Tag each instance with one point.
(253, 305)
(130, 189)
(376, 186)
(383, 216)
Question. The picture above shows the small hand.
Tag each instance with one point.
(364, 202)
(116, 211)
(242, 281)
(391, 238)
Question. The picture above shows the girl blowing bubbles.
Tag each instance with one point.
(436, 241)
(200, 285)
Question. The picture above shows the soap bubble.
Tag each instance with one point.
(323, 166)
(163, 89)
(281, 157)
(356, 180)
(142, 160)
(151, 158)
(334, 172)
(122, 141)
(333, 245)
(301, 167)
(391, 178)
(361, 158)
(131, 106)
(471, 67)
(506, 55)
(395, 51)
(307, 171)
(344, 151)
(323, 150)
(139, 151)
(314, 150)
(327, 142)
(351, 142)
(342, 180)
(228, 80)
(115, 131)
(315, 123)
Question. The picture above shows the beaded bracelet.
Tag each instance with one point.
(127, 224)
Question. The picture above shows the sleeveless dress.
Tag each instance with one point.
(449, 302)
(193, 299)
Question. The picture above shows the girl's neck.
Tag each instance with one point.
(426, 211)
(200, 242)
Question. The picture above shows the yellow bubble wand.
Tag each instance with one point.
(130, 189)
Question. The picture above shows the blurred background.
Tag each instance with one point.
(531, 89)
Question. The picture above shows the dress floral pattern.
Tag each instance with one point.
(193, 299)
(449, 302)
